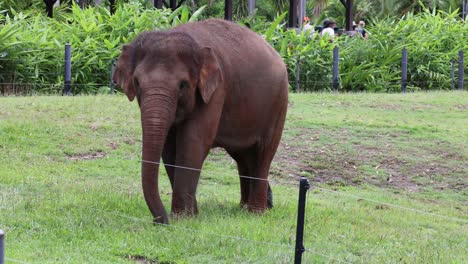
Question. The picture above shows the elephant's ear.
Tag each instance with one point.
(123, 72)
(210, 74)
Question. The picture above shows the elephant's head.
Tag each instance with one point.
(171, 75)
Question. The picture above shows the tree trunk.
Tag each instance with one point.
(228, 10)
(83, 3)
(50, 7)
(112, 6)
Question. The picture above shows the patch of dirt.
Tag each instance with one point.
(94, 126)
(131, 141)
(88, 156)
(385, 106)
(113, 145)
(343, 158)
(461, 107)
(422, 107)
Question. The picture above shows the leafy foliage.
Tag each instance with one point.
(31, 48)
(33, 57)
(432, 38)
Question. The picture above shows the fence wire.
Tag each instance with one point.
(296, 184)
(16, 261)
(393, 205)
(271, 181)
(291, 247)
(195, 231)
(296, 178)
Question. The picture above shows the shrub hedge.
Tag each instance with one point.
(32, 48)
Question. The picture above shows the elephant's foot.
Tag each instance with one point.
(253, 209)
(256, 206)
(160, 221)
(256, 209)
(159, 215)
(244, 202)
(184, 205)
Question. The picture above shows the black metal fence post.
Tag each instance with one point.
(228, 10)
(112, 6)
(464, 9)
(453, 73)
(292, 20)
(298, 74)
(303, 187)
(67, 86)
(111, 84)
(173, 4)
(2, 247)
(336, 57)
(158, 4)
(404, 70)
(461, 69)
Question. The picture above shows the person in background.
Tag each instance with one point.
(360, 29)
(328, 29)
(307, 27)
(353, 32)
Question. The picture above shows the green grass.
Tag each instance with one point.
(70, 185)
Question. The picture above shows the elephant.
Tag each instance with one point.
(199, 86)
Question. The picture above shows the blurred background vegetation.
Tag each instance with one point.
(31, 44)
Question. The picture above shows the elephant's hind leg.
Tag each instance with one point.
(252, 177)
(260, 196)
(246, 168)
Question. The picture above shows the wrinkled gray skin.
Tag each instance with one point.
(199, 86)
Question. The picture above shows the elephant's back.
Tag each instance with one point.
(211, 32)
(234, 44)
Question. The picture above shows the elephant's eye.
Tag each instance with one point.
(183, 85)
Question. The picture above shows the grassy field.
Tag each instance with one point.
(70, 185)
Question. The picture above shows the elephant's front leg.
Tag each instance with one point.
(190, 154)
(184, 201)
(169, 155)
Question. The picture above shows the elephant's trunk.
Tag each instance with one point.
(156, 117)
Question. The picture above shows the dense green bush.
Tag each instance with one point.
(432, 40)
(32, 47)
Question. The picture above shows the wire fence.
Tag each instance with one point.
(16, 261)
(290, 178)
(87, 76)
(283, 246)
(315, 187)
(309, 250)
